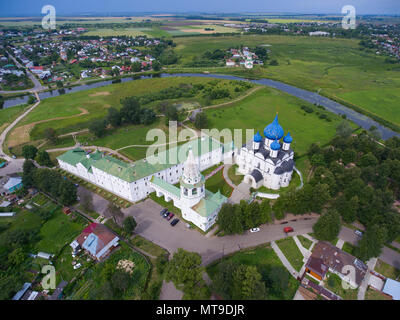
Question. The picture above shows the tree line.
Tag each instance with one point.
(50, 182)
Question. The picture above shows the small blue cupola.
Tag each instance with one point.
(275, 145)
(288, 138)
(257, 137)
(274, 131)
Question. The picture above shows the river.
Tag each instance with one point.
(312, 97)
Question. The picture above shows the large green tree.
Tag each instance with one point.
(29, 152)
(328, 226)
(247, 284)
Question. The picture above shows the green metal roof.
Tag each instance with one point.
(141, 168)
(209, 204)
(166, 186)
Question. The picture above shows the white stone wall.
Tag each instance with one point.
(141, 188)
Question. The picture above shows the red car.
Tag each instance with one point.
(170, 216)
(288, 229)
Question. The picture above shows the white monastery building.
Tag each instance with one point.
(135, 181)
(263, 162)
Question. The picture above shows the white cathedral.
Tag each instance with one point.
(264, 161)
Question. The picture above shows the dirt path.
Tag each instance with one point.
(22, 134)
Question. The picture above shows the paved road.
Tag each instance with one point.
(12, 125)
(388, 255)
(156, 229)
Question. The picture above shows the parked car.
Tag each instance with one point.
(252, 230)
(166, 214)
(174, 222)
(170, 216)
(77, 266)
(163, 211)
(288, 229)
(359, 233)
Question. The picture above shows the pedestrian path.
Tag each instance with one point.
(285, 261)
(340, 243)
(364, 284)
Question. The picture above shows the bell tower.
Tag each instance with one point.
(191, 182)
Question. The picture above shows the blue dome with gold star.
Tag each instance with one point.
(275, 145)
(274, 131)
(257, 137)
(288, 138)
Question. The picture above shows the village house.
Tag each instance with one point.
(97, 240)
(326, 257)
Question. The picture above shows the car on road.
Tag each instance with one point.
(174, 222)
(288, 229)
(359, 233)
(252, 230)
(77, 266)
(14, 157)
(163, 211)
(166, 214)
(170, 216)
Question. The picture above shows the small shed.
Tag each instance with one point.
(21, 292)
(7, 214)
(13, 184)
(45, 255)
(66, 210)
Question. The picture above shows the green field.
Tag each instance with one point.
(264, 258)
(103, 32)
(258, 110)
(73, 112)
(10, 114)
(336, 66)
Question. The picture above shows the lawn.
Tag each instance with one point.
(291, 252)
(258, 110)
(305, 242)
(263, 257)
(57, 232)
(235, 178)
(387, 270)
(217, 182)
(147, 246)
(372, 294)
(336, 66)
(334, 284)
(349, 248)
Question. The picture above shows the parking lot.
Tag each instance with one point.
(155, 228)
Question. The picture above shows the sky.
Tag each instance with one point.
(75, 7)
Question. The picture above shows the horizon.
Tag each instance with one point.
(26, 8)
